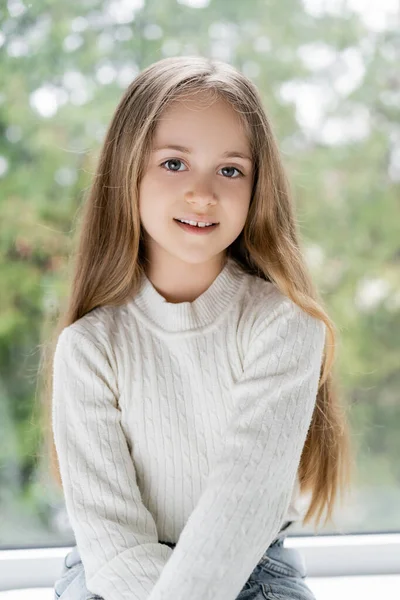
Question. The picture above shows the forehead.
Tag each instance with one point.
(199, 118)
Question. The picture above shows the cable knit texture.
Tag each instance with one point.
(184, 423)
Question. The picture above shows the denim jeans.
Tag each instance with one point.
(279, 575)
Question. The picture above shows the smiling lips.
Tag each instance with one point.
(197, 218)
(196, 229)
(196, 223)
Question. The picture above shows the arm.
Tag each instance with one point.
(115, 533)
(249, 487)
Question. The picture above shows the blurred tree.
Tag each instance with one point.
(331, 87)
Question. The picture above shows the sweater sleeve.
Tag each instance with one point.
(249, 487)
(115, 533)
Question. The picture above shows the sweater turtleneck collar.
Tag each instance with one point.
(165, 316)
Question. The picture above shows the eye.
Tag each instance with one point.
(171, 160)
(177, 161)
(240, 174)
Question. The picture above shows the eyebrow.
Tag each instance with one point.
(228, 154)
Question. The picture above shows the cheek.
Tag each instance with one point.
(241, 210)
(146, 203)
(240, 188)
(156, 185)
(236, 197)
(153, 208)
(149, 194)
(146, 185)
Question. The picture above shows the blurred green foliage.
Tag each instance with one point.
(330, 85)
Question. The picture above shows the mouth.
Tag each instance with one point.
(196, 229)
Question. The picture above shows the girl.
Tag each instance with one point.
(193, 405)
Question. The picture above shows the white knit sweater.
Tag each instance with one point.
(184, 423)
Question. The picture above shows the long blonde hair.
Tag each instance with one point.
(109, 260)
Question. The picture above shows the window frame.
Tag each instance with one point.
(325, 556)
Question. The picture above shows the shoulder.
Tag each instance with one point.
(260, 301)
(266, 306)
(95, 332)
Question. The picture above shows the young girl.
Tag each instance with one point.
(193, 405)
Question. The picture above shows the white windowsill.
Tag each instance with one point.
(340, 557)
(327, 588)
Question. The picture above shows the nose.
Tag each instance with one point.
(201, 193)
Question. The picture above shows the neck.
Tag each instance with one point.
(179, 281)
(195, 316)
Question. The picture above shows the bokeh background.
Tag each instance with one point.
(329, 77)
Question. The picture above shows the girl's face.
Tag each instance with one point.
(209, 175)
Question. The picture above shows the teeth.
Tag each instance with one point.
(194, 223)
